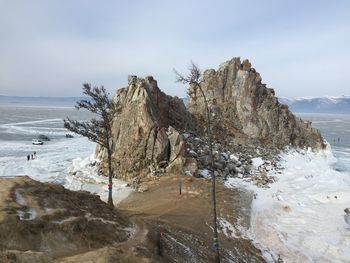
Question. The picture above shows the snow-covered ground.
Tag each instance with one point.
(64, 161)
(83, 176)
(61, 160)
(301, 216)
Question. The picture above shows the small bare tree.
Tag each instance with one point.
(97, 129)
(194, 79)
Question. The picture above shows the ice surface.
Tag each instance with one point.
(65, 161)
(301, 216)
(62, 160)
(52, 158)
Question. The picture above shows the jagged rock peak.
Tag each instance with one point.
(146, 130)
(164, 109)
(245, 109)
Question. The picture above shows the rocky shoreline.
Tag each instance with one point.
(258, 165)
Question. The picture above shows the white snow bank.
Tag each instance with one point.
(51, 162)
(56, 161)
(83, 176)
(301, 216)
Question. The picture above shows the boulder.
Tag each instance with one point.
(143, 188)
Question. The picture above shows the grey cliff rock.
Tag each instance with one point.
(244, 108)
(146, 137)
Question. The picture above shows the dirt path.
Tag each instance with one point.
(138, 236)
(185, 220)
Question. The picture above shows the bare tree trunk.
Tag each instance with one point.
(110, 174)
(215, 227)
(194, 78)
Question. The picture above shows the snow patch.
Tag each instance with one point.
(204, 173)
(68, 219)
(301, 216)
(89, 217)
(82, 175)
(19, 198)
(234, 157)
(29, 214)
(227, 228)
(257, 161)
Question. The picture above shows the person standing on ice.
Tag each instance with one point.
(347, 215)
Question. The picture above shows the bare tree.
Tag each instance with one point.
(96, 129)
(194, 79)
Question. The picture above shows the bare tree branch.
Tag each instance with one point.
(96, 129)
(194, 79)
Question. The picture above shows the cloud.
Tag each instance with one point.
(50, 48)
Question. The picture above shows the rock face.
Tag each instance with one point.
(154, 133)
(244, 109)
(146, 138)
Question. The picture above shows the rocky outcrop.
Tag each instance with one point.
(244, 109)
(147, 129)
(154, 133)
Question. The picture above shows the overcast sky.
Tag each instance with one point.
(49, 48)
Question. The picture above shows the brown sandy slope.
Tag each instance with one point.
(42, 222)
(181, 224)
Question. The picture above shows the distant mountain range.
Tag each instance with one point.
(339, 104)
(39, 101)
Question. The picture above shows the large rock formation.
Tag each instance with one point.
(243, 108)
(146, 138)
(154, 133)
